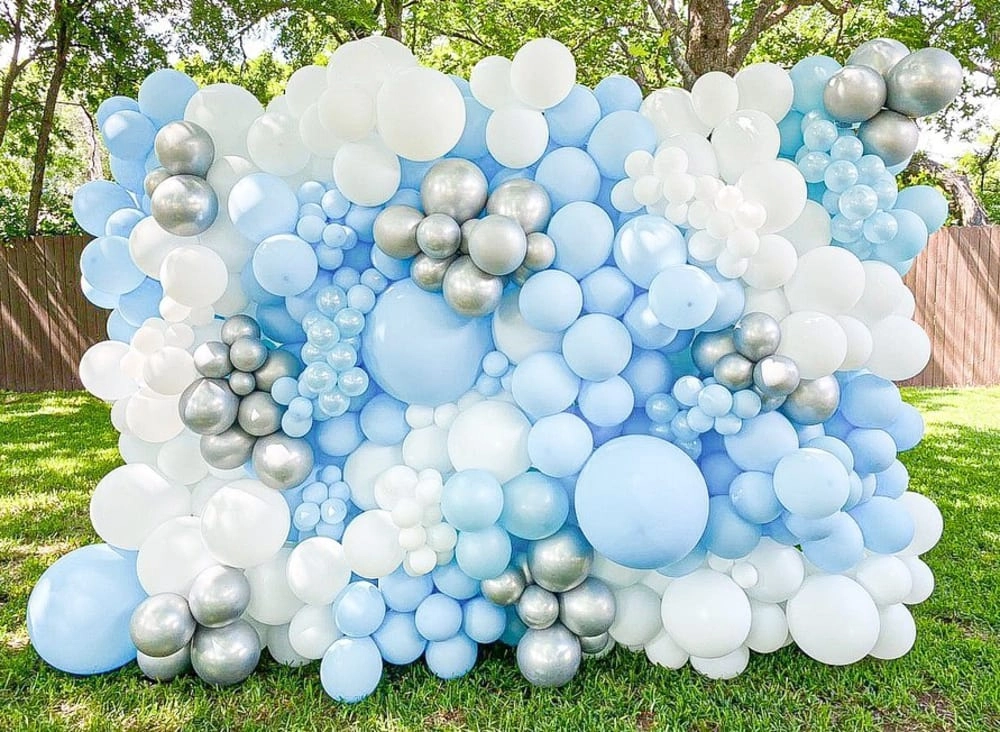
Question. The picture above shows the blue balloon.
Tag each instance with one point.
(130, 174)
(359, 609)
(812, 483)
(644, 327)
(128, 135)
(284, 264)
(728, 534)
(874, 450)
(615, 137)
(398, 640)
(790, 129)
(119, 329)
(483, 554)
(107, 264)
(483, 621)
(164, 95)
(647, 245)
(730, 302)
(122, 221)
(550, 301)
(383, 420)
(79, 610)
(351, 669)
(606, 403)
(762, 442)
(718, 470)
(568, 174)
(543, 384)
(534, 506)
(886, 525)
(100, 298)
(114, 104)
(339, 436)
(452, 658)
(472, 500)
(597, 347)
(641, 502)
(910, 239)
(96, 201)
(687, 564)
(893, 481)
(571, 121)
(683, 296)
(840, 550)
(907, 429)
(362, 220)
(870, 401)
(617, 92)
(404, 593)
(809, 529)
(927, 202)
(141, 303)
(753, 498)
(439, 617)
(452, 581)
(836, 447)
(809, 77)
(560, 444)
(262, 205)
(606, 290)
(648, 373)
(515, 629)
(472, 143)
(394, 269)
(583, 235)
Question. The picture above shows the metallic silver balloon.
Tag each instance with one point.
(279, 363)
(242, 383)
(537, 607)
(589, 608)
(776, 376)
(439, 236)
(248, 354)
(281, 461)
(454, 187)
(227, 655)
(467, 228)
(523, 200)
(208, 406)
(708, 348)
(813, 401)
(497, 245)
(259, 415)
(470, 291)
(229, 449)
(183, 147)
(597, 646)
(549, 657)
(880, 54)
(520, 561)
(923, 83)
(734, 371)
(756, 335)
(541, 251)
(167, 668)
(520, 275)
(428, 273)
(184, 205)
(395, 231)
(506, 588)
(161, 625)
(218, 596)
(239, 326)
(769, 402)
(854, 94)
(891, 136)
(153, 179)
(560, 562)
(212, 360)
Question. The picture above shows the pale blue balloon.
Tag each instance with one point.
(583, 235)
(719, 471)
(615, 137)
(359, 609)
(164, 95)
(648, 373)
(840, 550)
(472, 500)
(728, 534)
(383, 420)
(95, 202)
(618, 92)
(483, 554)
(340, 436)
(907, 429)
(597, 347)
(398, 640)
(927, 202)
(142, 303)
(647, 245)
(129, 174)
(472, 143)
(551, 300)
(278, 325)
(836, 447)
(100, 298)
(438, 617)
(683, 297)
(404, 593)
(107, 264)
(644, 327)
(811, 483)
(558, 445)
(606, 403)
(606, 290)
(483, 621)
(762, 442)
(262, 205)
(874, 450)
(544, 384)
(122, 221)
(893, 481)
(452, 658)
(114, 104)
(452, 581)
(284, 264)
(870, 401)
(351, 669)
(118, 329)
(568, 174)
(752, 496)
(809, 77)
(790, 129)
(534, 506)
(571, 121)
(731, 301)
(910, 239)
(128, 135)
(886, 525)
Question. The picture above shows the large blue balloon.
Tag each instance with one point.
(79, 611)
(615, 137)
(164, 95)
(107, 265)
(421, 351)
(617, 92)
(94, 202)
(647, 245)
(262, 205)
(641, 501)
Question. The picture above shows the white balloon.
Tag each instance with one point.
(364, 466)
(779, 188)
(153, 417)
(312, 631)
(172, 556)
(222, 176)
(859, 342)
(726, 667)
(768, 627)
(614, 574)
(810, 230)
(363, 62)
(420, 113)
(772, 302)
(278, 105)
(743, 139)
(170, 370)
(318, 570)
(149, 244)
(833, 619)
(701, 158)
(131, 501)
(137, 452)
(367, 172)
(882, 291)
(637, 616)
(706, 613)
(427, 447)
(663, 651)
(900, 348)
(226, 111)
(928, 524)
(180, 459)
(315, 136)
(271, 599)
(234, 300)
(303, 88)
(897, 632)
(490, 83)
(714, 96)
(347, 110)
(395, 55)
(672, 112)
(491, 436)
(101, 372)
(815, 341)
(517, 138)
(885, 577)
(827, 279)
(245, 523)
(773, 264)
(371, 544)
(279, 645)
(275, 144)
(767, 87)
(922, 579)
(542, 73)
(779, 571)
(203, 490)
(194, 276)
(514, 336)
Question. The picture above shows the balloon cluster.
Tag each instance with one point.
(430, 363)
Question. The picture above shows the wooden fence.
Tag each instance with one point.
(46, 324)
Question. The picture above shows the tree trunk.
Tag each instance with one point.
(393, 10)
(964, 203)
(13, 70)
(59, 61)
(709, 24)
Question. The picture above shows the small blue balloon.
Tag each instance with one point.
(544, 384)
(893, 481)
(762, 442)
(615, 137)
(836, 447)
(550, 301)
(645, 246)
(398, 640)
(617, 92)
(404, 593)
(606, 403)
(809, 77)
(472, 143)
(472, 500)
(927, 202)
(128, 135)
(452, 658)
(142, 303)
(583, 235)
(907, 429)
(753, 498)
(870, 401)
(483, 554)
(597, 347)
(130, 174)
(483, 621)
(648, 373)
(438, 617)
(122, 221)
(534, 506)
(383, 420)
(359, 609)
(840, 550)
(571, 121)
(164, 95)
(886, 525)
(606, 290)
(682, 297)
(107, 265)
(558, 445)
(728, 534)
(284, 264)
(645, 328)
(114, 104)
(96, 201)
(874, 450)
(811, 483)
(351, 669)
(100, 298)
(339, 436)
(910, 239)
(452, 581)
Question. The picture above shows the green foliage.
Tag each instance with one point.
(263, 76)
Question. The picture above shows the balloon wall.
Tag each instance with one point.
(405, 364)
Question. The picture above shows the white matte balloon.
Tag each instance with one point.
(706, 613)
(371, 544)
(767, 87)
(367, 172)
(900, 348)
(815, 341)
(768, 627)
(303, 88)
(637, 616)
(149, 244)
(672, 112)
(828, 279)
(420, 113)
(312, 631)
(779, 188)
(279, 645)
(833, 619)
(226, 111)
(318, 570)
(180, 459)
(664, 651)
(133, 500)
(364, 466)
(169, 370)
(245, 523)
(725, 667)
(517, 138)
(491, 436)
(491, 85)
(101, 371)
(271, 599)
(715, 96)
(928, 523)
(773, 264)
(153, 417)
(275, 145)
(316, 137)
(194, 276)
(172, 556)
(347, 110)
(542, 73)
(859, 342)
(897, 632)
(743, 139)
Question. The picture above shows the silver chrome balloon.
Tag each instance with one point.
(537, 607)
(541, 251)
(227, 655)
(212, 360)
(218, 596)
(523, 200)
(279, 363)
(395, 231)
(890, 135)
(208, 406)
(756, 335)
(923, 83)
(470, 291)
(153, 179)
(439, 236)
(520, 275)
(734, 371)
(708, 348)
(776, 376)
(242, 383)
(248, 354)
(769, 402)
(185, 205)
(239, 326)
(854, 94)
(454, 187)
(259, 415)
(880, 54)
(597, 646)
(166, 668)
(281, 461)
(183, 147)
(589, 608)
(497, 245)
(520, 561)
(161, 625)
(549, 657)
(467, 228)
(506, 588)
(813, 401)
(428, 273)
(560, 562)
(229, 449)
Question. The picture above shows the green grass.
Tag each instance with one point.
(55, 447)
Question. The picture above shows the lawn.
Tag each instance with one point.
(55, 447)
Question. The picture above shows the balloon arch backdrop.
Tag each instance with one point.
(406, 363)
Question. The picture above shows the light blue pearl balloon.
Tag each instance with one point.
(597, 347)
(880, 227)
(927, 203)
(544, 384)
(164, 94)
(351, 669)
(809, 77)
(606, 290)
(813, 166)
(616, 136)
(95, 202)
(847, 147)
(606, 403)
(359, 609)
(820, 135)
(682, 297)
(746, 404)
(79, 610)
(762, 442)
(472, 500)
(419, 350)
(404, 593)
(631, 512)
(454, 582)
(715, 400)
(858, 202)
(583, 235)
(534, 506)
(550, 301)
(483, 554)
(558, 445)
(438, 617)
(645, 246)
(398, 640)
(483, 621)
(840, 175)
(811, 483)
(452, 658)
(262, 205)
(727, 533)
(617, 92)
(571, 121)
(752, 496)
(840, 550)
(874, 450)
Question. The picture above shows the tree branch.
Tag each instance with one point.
(669, 20)
(970, 211)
